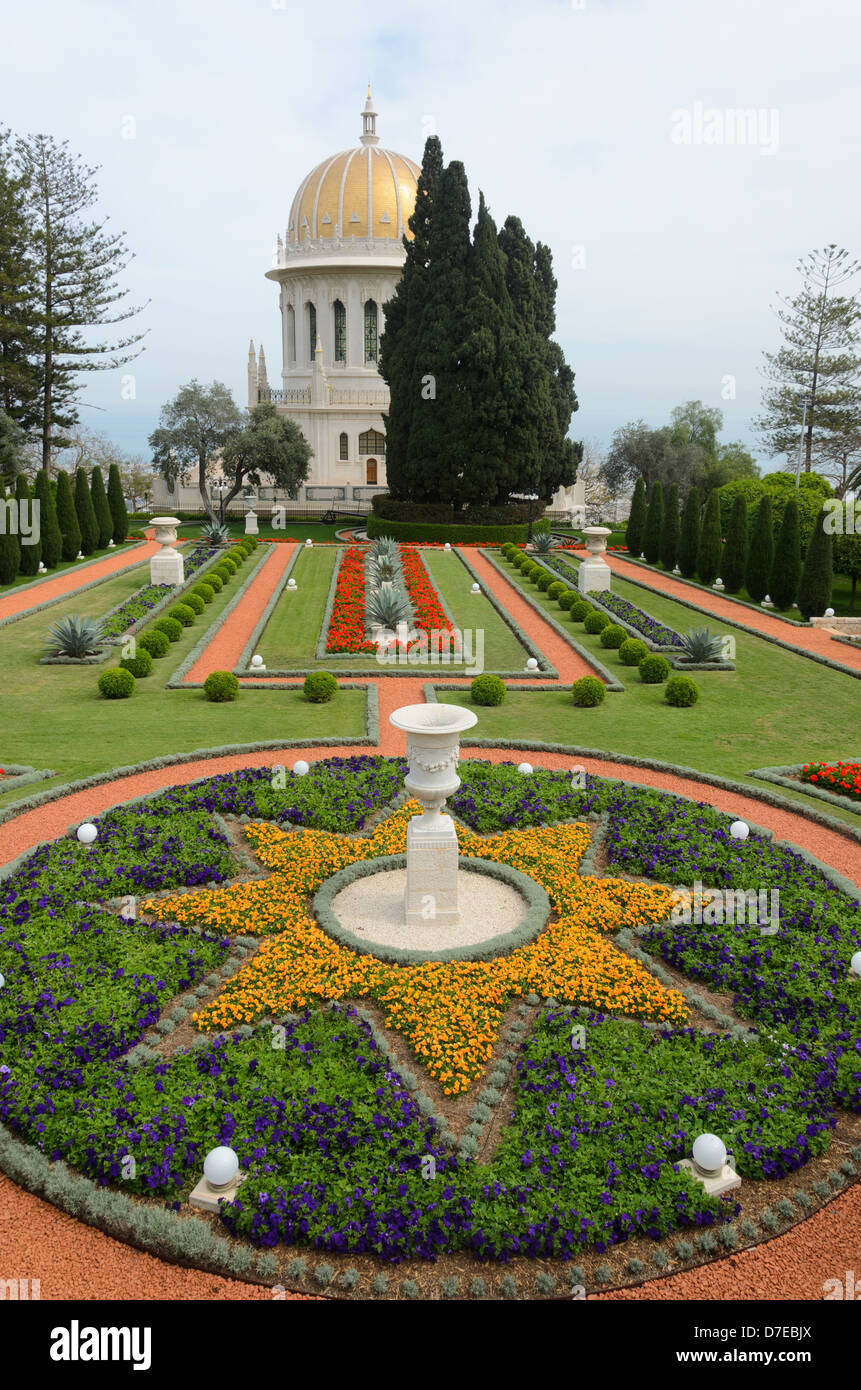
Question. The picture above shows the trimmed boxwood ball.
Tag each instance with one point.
(588, 691)
(214, 581)
(613, 636)
(182, 613)
(596, 622)
(555, 588)
(320, 686)
(194, 602)
(116, 683)
(681, 691)
(654, 669)
(156, 643)
(231, 564)
(544, 581)
(170, 627)
(204, 591)
(140, 665)
(632, 651)
(580, 610)
(567, 599)
(221, 686)
(487, 690)
(223, 573)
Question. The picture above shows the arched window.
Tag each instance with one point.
(312, 332)
(340, 331)
(343, 447)
(371, 333)
(291, 335)
(372, 442)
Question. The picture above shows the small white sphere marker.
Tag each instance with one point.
(291, 583)
(476, 589)
(709, 1153)
(301, 768)
(854, 964)
(87, 833)
(525, 769)
(829, 613)
(257, 661)
(739, 830)
(447, 546)
(532, 664)
(220, 1167)
(309, 541)
(2, 981)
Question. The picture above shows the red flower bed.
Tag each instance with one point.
(347, 625)
(429, 613)
(844, 779)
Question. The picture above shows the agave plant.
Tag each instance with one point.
(384, 548)
(700, 645)
(383, 570)
(75, 636)
(388, 607)
(543, 542)
(214, 533)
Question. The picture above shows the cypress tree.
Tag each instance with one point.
(635, 530)
(814, 591)
(117, 504)
(734, 560)
(67, 517)
(689, 540)
(30, 554)
(786, 568)
(86, 513)
(559, 455)
(534, 433)
(757, 574)
(10, 547)
(708, 554)
(52, 541)
(654, 524)
(101, 507)
(670, 530)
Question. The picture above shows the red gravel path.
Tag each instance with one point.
(810, 639)
(228, 642)
(71, 579)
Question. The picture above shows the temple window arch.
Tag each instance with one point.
(340, 324)
(371, 331)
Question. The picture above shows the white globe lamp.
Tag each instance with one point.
(709, 1155)
(291, 584)
(854, 964)
(309, 541)
(532, 664)
(447, 546)
(87, 833)
(301, 768)
(739, 830)
(476, 589)
(525, 769)
(220, 1168)
(829, 612)
(256, 661)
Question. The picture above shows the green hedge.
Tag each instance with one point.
(437, 531)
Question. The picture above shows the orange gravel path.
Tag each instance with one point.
(71, 579)
(229, 639)
(810, 639)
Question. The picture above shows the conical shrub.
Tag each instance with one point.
(734, 560)
(49, 529)
(117, 504)
(67, 517)
(757, 574)
(636, 528)
(86, 513)
(786, 567)
(709, 553)
(671, 528)
(814, 591)
(654, 525)
(101, 507)
(689, 540)
(10, 548)
(30, 554)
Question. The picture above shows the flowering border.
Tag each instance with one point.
(790, 776)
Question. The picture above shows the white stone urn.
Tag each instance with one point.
(166, 566)
(594, 570)
(433, 749)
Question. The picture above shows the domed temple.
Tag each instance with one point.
(336, 266)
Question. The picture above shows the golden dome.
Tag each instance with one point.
(364, 192)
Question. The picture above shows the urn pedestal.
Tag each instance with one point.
(433, 748)
(251, 528)
(594, 573)
(166, 566)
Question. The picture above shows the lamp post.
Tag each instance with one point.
(531, 497)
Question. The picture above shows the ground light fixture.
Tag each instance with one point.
(257, 663)
(291, 584)
(854, 965)
(221, 1177)
(476, 589)
(447, 545)
(87, 833)
(532, 664)
(525, 769)
(309, 541)
(829, 612)
(301, 768)
(710, 1166)
(739, 830)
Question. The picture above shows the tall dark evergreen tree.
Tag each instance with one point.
(757, 574)
(19, 329)
(708, 554)
(560, 455)
(654, 525)
(786, 567)
(86, 513)
(49, 528)
(689, 540)
(10, 547)
(402, 316)
(635, 530)
(67, 517)
(671, 527)
(101, 507)
(30, 554)
(734, 561)
(817, 576)
(117, 504)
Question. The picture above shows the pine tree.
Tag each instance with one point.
(636, 527)
(403, 313)
(87, 522)
(117, 504)
(101, 507)
(19, 336)
(757, 574)
(52, 540)
(814, 591)
(671, 527)
(708, 554)
(689, 540)
(77, 266)
(654, 524)
(10, 547)
(786, 568)
(67, 517)
(734, 560)
(30, 554)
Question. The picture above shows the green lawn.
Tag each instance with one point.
(290, 638)
(502, 649)
(53, 716)
(296, 530)
(63, 565)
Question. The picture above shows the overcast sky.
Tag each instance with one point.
(602, 124)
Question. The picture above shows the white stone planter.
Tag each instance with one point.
(594, 571)
(166, 566)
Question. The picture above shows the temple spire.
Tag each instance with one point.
(369, 134)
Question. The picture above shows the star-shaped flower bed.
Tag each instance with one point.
(450, 1012)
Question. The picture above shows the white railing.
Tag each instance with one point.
(339, 397)
(300, 395)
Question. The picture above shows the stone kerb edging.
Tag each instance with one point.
(545, 666)
(177, 680)
(320, 653)
(537, 915)
(21, 775)
(781, 776)
(70, 593)
(706, 589)
(613, 683)
(242, 665)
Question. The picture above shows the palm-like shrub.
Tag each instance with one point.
(75, 636)
(388, 607)
(701, 645)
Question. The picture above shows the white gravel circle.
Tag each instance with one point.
(372, 908)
